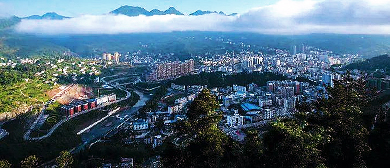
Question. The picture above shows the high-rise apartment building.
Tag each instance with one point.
(109, 57)
(171, 70)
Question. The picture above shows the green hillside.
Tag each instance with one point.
(6, 23)
(381, 62)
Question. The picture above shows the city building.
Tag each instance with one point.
(140, 125)
(106, 99)
(327, 80)
(108, 57)
(3, 133)
(235, 120)
(68, 110)
(171, 70)
(127, 162)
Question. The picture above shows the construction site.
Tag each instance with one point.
(67, 94)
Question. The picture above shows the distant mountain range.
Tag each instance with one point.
(136, 11)
(123, 10)
(200, 12)
(50, 16)
(8, 22)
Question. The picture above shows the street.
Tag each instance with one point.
(101, 129)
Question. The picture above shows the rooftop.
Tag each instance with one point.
(249, 107)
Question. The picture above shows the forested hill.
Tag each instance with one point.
(380, 62)
(6, 23)
(185, 44)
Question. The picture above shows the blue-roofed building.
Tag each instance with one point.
(250, 107)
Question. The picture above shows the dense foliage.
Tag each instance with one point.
(373, 64)
(24, 85)
(83, 79)
(186, 44)
(11, 75)
(201, 143)
(8, 22)
(15, 149)
(30, 162)
(65, 160)
(22, 95)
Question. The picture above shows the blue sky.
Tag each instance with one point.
(74, 8)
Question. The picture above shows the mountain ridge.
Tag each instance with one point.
(128, 11)
(136, 11)
(49, 16)
(200, 12)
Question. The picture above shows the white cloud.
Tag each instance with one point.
(115, 24)
(284, 17)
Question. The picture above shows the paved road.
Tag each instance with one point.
(111, 123)
(26, 136)
(102, 128)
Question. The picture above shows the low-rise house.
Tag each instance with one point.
(140, 125)
(235, 120)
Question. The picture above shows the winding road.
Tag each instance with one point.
(110, 124)
(50, 132)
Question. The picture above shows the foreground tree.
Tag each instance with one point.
(290, 144)
(252, 151)
(200, 143)
(341, 117)
(379, 140)
(64, 160)
(30, 162)
(328, 132)
(5, 164)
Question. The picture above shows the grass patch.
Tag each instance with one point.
(23, 93)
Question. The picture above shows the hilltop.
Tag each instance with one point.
(136, 11)
(49, 15)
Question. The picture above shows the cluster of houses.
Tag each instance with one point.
(124, 163)
(180, 104)
(241, 106)
(77, 106)
(142, 128)
(245, 105)
(158, 125)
